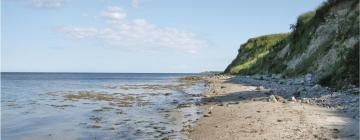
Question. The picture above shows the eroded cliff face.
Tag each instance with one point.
(324, 42)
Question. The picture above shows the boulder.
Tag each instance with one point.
(305, 100)
(317, 87)
(301, 89)
(308, 78)
(279, 98)
(273, 99)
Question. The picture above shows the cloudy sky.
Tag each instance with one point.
(136, 35)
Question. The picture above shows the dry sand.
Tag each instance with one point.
(238, 111)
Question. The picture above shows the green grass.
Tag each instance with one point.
(308, 64)
(345, 71)
(307, 23)
(260, 55)
(257, 50)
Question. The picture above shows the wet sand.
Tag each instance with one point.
(242, 111)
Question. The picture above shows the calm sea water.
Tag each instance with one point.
(97, 105)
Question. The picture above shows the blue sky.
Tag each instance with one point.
(136, 35)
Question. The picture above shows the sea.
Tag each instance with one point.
(109, 106)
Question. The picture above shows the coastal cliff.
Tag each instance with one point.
(323, 42)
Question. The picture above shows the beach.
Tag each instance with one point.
(173, 106)
(264, 107)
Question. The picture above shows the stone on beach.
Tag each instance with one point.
(317, 87)
(246, 89)
(273, 99)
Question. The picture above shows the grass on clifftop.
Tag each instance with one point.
(261, 55)
(253, 55)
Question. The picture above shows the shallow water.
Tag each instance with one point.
(97, 105)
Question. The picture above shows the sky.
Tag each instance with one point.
(152, 36)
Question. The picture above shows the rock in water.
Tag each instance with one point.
(273, 99)
(165, 138)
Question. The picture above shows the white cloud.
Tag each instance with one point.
(137, 34)
(114, 14)
(48, 3)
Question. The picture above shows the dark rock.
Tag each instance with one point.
(165, 138)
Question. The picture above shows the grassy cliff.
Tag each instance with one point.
(323, 42)
(257, 55)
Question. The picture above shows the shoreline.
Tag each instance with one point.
(263, 107)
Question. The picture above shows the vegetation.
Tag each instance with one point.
(260, 50)
(261, 55)
(345, 71)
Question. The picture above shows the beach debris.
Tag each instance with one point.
(100, 96)
(293, 99)
(178, 87)
(120, 100)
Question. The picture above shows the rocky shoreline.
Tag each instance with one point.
(226, 96)
(345, 100)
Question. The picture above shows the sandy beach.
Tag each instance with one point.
(238, 110)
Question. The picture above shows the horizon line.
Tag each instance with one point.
(108, 72)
